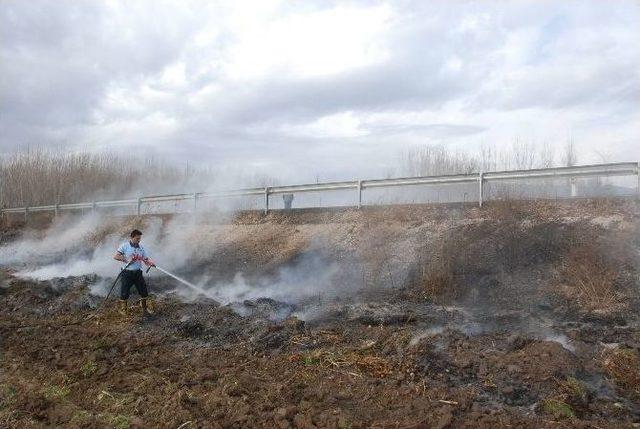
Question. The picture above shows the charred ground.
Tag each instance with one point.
(516, 315)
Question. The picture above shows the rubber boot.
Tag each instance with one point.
(123, 307)
(147, 306)
(151, 305)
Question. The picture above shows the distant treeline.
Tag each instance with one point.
(439, 160)
(41, 176)
(38, 176)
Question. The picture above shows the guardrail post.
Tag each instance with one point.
(359, 194)
(195, 202)
(139, 205)
(638, 173)
(266, 200)
(55, 210)
(480, 188)
(93, 206)
(26, 212)
(574, 187)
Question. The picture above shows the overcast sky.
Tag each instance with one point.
(304, 88)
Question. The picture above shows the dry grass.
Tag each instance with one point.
(438, 279)
(510, 210)
(438, 271)
(39, 176)
(375, 366)
(623, 365)
(556, 408)
(590, 278)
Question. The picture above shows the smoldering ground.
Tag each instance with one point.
(494, 273)
(185, 245)
(512, 315)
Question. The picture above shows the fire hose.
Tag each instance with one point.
(173, 276)
(116, 281)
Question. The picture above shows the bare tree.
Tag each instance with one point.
(546, 156)
(437, 161)
(38, 176)
(523, 155)
(488, 160)
(570, 158)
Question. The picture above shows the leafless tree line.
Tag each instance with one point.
(437, 160)
(42, 176)
(39, 176)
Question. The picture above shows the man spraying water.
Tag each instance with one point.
(133, 255)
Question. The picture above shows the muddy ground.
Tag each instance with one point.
(509, 317)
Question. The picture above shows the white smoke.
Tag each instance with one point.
(74, 255)
(78, 246)
(310, 277)
(65, 236)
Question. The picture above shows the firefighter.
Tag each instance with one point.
(133, 254)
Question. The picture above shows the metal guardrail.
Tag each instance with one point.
(606, 170)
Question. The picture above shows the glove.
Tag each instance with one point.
(135, 257)
(148, 262)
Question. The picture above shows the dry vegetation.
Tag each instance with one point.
(623, 365)
(587, 266)
(439, 160)
(385, 357)
(438, 271)
(590, 278)
(39, 176)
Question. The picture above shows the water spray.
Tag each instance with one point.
(181, 280)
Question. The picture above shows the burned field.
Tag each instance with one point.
(425, 317)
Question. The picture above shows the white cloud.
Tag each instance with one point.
(269, 83)
(301, 44)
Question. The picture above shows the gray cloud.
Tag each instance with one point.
(228, 83)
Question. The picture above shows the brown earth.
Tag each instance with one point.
(461, 318)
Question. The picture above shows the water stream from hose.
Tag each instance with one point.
(183, 281)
